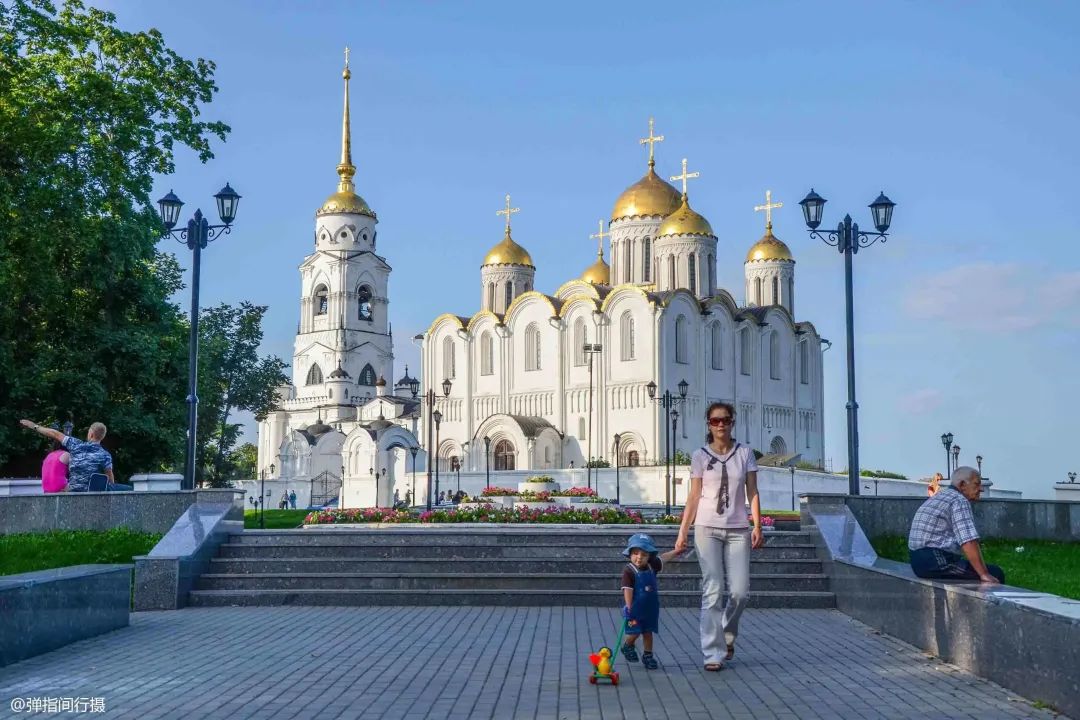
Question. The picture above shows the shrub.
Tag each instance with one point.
(498, 492)
(540, 479)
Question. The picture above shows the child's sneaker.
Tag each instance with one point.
(630, 653)
(649, 661)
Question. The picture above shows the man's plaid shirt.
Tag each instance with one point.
(944, 522)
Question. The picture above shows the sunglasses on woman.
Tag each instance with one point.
(717, 421)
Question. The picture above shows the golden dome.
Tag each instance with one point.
(685, 221)
(648, 196)
(345, 201)
(598, 273)
(769, 247)
(508, 252)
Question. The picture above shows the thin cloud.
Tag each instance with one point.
(921, 402)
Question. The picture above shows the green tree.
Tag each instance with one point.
(232, 377)
(89, 114)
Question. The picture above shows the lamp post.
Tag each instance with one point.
(414, 388)
(848, 239)
(377, 475)
(487, 461)
(668, 402)
(196, 236)
(437, 417)
(978, 461)
(262, 496)
(412, 451)
(590, 349)
(946, 440)
(674, 460)
(616, 451)
(955, 457)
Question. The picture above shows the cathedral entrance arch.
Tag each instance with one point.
(778, 446)
(505, 455)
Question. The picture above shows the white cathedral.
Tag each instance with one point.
(535, 381)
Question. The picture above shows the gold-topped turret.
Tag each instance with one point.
(508, 252)
(769, 247)
(345, 200)
(650, 195)
(598, 273)
(685, 220)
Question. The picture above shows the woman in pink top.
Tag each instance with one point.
(54, 471)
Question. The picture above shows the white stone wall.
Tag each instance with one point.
(766, 270)
(520, 278)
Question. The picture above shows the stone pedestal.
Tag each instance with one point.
(147, 482)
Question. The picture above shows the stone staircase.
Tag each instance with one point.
(528, 566)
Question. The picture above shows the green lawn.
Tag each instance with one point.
(1043, 565)
(27, 552)
(276, 519)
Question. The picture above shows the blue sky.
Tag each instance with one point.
(967, 320)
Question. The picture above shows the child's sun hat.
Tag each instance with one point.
(642, 542)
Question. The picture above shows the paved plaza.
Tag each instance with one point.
(439, 662)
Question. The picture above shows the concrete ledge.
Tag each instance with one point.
(164, 578)
(1026, 641)
(152, 512)
(48, 609)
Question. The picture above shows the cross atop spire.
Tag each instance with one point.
(651, 140)
(508, 212)
(600, 240)
(684, 177)
(345, 169)
(768, 207)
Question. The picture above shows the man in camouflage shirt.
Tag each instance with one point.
(87, 457)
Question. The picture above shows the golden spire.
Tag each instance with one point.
(651, 140)
(508, 212)
(600, 240)
(768, 208)
(684, 177)
(345, 169)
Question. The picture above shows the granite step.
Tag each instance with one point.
(438, 582)
(501, 537)
(483, 597)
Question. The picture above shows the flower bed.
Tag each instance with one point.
(540, 479)
(497, 492)
(575, 492)
(480, 514)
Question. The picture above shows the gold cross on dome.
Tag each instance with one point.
(508, 212)
(600, 238)
(685, 176)
(768, 208)
(346, 56)
(651, 140)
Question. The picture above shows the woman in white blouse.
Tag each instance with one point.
(723, 474)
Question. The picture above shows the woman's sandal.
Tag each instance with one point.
(714, 666)
(730, 652)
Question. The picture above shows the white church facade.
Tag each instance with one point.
(539, 381)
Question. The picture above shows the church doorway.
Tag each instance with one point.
(505, 455)
(633, 459)
(778, 446)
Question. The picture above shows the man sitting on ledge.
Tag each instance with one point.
(942, 525)
(87, 458)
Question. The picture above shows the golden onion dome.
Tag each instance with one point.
(345, 201)
(648, 196)
(769, 247)
(598, 273)
(508, 252)
(685, 221)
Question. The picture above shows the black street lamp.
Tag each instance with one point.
(955, 457)
(414, 388)
(616, 451)
(487, 461)
(848, 239)
(946, 440)
(196, 236)
(262, 496)
(413, 450)
(437, 417)
(590, 349)
(668, 401)
(978, 461)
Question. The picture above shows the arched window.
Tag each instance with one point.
(745, 351)
(508, 295)
(716, 354)
(363, 302)
(321, 300)
(691, 271)
(449, 358)
(487, 354)
(626, 335)
(757, 291)
(712, 276)
(532, 347)
(314, 375)
(627, 260)
(774, 355)
(646, 260)
(671, 272)
(581, 428)
(367, 376)
(581, 336)
(680, 339)
(504, 455)
(491, 297)
(791, 296)
(775, 290)
(804, 362)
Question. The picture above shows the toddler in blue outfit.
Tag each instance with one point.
(641, 596)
